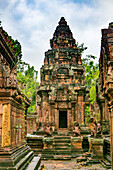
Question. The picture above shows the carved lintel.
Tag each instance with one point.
(6, 138)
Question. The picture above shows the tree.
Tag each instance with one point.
(91, 72)
(91, 75)
(81, 47)
(27, 81)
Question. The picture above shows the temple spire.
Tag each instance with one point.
(62, 37)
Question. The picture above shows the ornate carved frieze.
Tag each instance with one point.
(6, 127)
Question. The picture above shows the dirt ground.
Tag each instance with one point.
(69, 165)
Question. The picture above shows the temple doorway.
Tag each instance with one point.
(62, 119)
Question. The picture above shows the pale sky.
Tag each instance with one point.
(33, 23)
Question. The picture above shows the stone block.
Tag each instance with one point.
(76, 143)
(97, 147)
(48, 142)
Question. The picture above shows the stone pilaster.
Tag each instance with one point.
(76, 145)
(97, 147)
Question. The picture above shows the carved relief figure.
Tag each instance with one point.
(99, 130)
(76, 129)
(48, 130)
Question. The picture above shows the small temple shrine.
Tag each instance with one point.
(62, 96)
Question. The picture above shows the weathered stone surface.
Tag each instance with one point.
(48, 142)
(36, 143)
(70, 165)
(76, 143)
(31, 123)
(105, 82)
(97, 147)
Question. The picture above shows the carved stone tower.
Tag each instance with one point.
(61, 96)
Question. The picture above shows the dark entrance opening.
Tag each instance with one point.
(85, 144)
(62, 119)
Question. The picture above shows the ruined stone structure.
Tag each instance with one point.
(14, 151)
(105, 83)
(62, 95)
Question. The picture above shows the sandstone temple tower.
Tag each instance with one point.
(62, 96)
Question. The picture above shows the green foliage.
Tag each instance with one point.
(92, 74)
(81, 47)
(27, 75)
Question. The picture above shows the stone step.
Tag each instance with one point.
(108, 158)
(35, 144)
(47, 156)
(20, 154)
(63, 144)
(23, 163)
(35, 163)
(81, 159)
(62, 137)
(92, 161)
(62, 140)
(105, 164)
(48, 151)
(62, 157)
(62, 147)
(37, 151)
(62, 152)
(88, 154)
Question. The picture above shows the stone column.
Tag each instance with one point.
(6, 127)
(69, 117)
(56, 118)
(111, 134)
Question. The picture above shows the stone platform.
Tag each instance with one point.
(57, 147)
(63, 147)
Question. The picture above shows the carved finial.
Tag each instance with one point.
(111, 25)
(62, 21)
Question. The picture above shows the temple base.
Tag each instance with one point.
(18, 158)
